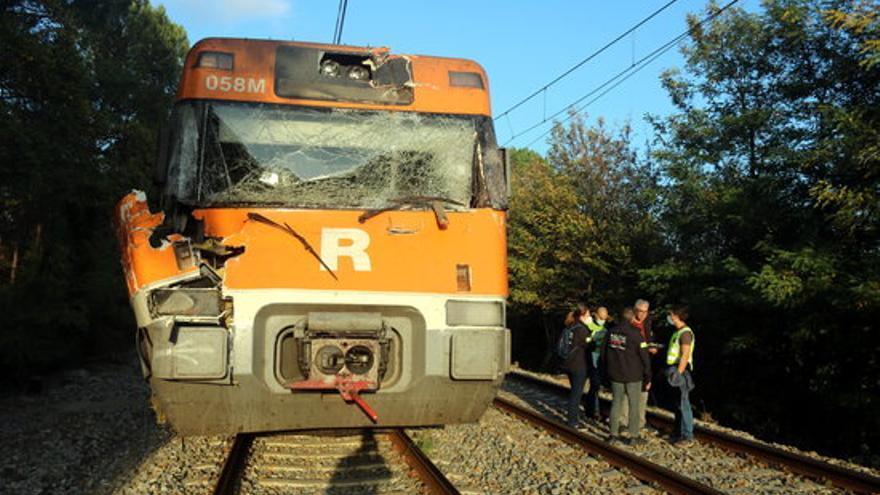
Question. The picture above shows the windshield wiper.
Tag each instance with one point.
(435, 202)
(288, 229)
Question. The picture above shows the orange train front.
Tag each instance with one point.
(330, 249)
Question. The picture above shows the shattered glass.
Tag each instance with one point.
(228, 153)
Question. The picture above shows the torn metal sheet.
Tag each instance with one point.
(317, 74)
(142, 262)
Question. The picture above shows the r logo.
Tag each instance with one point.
(352, 243)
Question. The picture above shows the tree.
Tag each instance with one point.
(617, 192)
(83, 89)
(770, 205)
(579, 223)
(546, 245)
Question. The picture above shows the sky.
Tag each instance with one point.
(522, 44)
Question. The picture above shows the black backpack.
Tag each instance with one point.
(565, 345)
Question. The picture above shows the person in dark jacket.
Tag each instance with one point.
(628, 367)
(575, 365)
(644, 323)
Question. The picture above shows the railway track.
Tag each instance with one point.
(349, 462)
(387, 461)
(643, 469)
(821, 472)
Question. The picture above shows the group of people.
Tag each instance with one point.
(619, 356)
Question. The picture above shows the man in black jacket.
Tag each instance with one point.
(628, 367)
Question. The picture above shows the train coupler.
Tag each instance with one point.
(348, 389)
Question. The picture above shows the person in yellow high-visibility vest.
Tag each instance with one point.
(680, 363)
(596, 326)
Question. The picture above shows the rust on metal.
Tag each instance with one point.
(641, 468)
(233, 464)
(430, 475)
(848, 479)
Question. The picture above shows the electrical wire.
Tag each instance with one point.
(621, 76)
(585, 60)
(340, 21)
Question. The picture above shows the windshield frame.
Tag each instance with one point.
(487, 172)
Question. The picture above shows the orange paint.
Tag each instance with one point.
(256, 59)
(142, 263)
(407, 251)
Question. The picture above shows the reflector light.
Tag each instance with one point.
(475, 313)
(215, 60)
(463, 277)
(465, 79)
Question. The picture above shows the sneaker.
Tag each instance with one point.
(684, 442)
(635, 442)
(614, 440)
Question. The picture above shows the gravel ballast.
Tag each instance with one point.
(714, 466)
(501, 454)
(91, 431)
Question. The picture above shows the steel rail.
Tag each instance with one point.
(233, 464)
(641, 468)
(809, 467)
(435, 481)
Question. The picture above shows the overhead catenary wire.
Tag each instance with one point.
(621, 76)
(614, 81)
(340, 21)
(589, 57)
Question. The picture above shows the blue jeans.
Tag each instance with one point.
(684, 415)
(591, 403)
(577, 379)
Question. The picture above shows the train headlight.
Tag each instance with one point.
(330, 68)
(186, 302)
(475, 313)
(358, 73)
(216, 60)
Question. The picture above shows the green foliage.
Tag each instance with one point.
(83, 88)
(579, 218)
(770, 205)
(789, 279)
(548, 236)
(758, 205)
(863, 23)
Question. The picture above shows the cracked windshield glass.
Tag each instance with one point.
(262, 154)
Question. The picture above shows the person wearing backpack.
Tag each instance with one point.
(572, 349)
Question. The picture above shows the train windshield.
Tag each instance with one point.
(259, 154)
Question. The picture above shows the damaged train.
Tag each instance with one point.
(329, 247)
